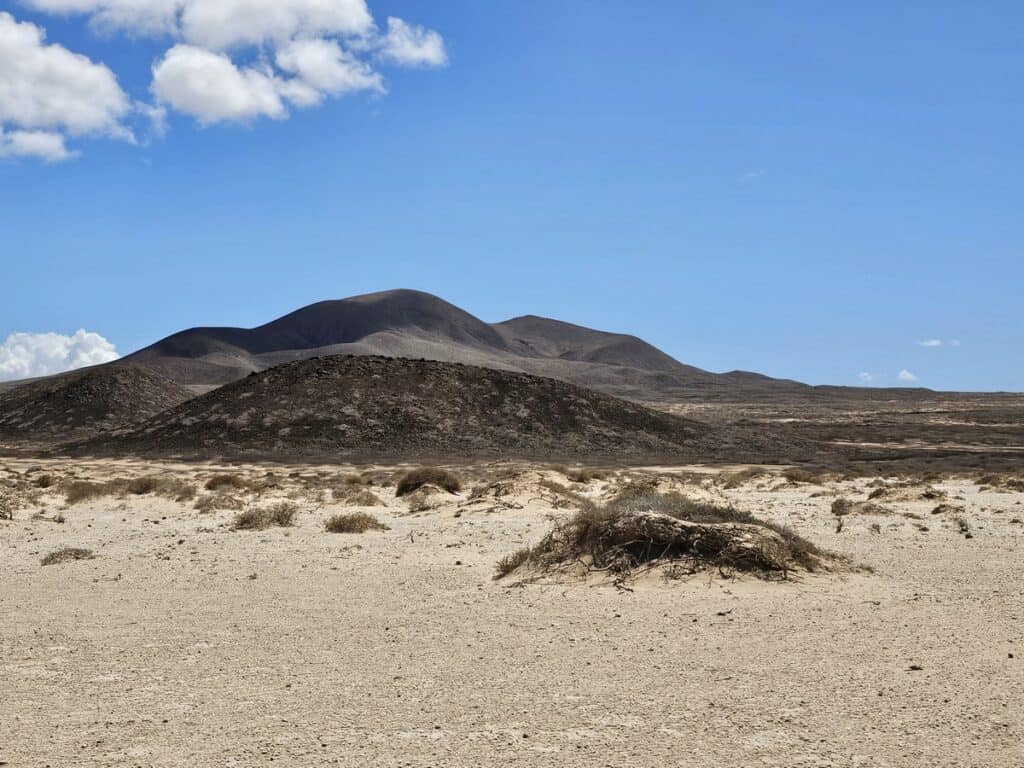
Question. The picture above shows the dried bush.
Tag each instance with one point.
(354, 496)
(417, 478)
(67, 554)
(77, 491)
(45, 481)
(739, 477)
(223, 482)
(844, 506)
(212, 502)
(585, 475)
(258, 519)
(685, 535)
(354, 522)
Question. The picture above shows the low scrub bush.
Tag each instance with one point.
(687, 536)
(354, 522)
(260, 518)
(66, 555)
(417, 478)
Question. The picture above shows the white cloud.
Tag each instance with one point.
(906, 376)
(228, 60)
(413, 46)
(42, 145)
(143, 17)
(326, 68)
(48, 93)
(865, 377)
(932, 343)
(26, 355)
(211, 88)
(224, 24)
(954, 343)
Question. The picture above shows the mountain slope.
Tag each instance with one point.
(413, 324)
(85, 402)
(366, 406)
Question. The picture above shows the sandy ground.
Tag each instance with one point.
(186, 643)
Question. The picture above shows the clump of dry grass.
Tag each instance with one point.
(417, 478)
(843, 506)
(354, 522)
(258, 519)
(585, 475)
(226, 481)
(686, 536)
(354, 496)
(66, 555)
(739, 477)
(77, 491)
(45, 481)
(212, 502)
(168, 487)
(808, 475)
(9, 502)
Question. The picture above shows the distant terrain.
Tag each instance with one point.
(404, 323)
(404, 372)
(85, 402)
(367, 406)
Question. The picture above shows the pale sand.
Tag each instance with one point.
(397, 648)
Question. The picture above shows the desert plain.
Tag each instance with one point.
(184, 638)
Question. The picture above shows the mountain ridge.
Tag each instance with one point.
(414, 324)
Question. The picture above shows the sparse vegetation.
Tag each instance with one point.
(45, 481)
(739, 477)
(354, 496)
(635, 530)
(77, 491)
(211, 502)
(224, 482)
(417, 478)
(585, 475)
(66, 555)
(843, 506)
(260, 518)
(354, 522)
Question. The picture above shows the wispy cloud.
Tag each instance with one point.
(865, 377)
(932, 343)
(906, 376)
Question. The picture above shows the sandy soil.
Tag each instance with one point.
(187, 643)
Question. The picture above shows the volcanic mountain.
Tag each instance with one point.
(412, 324)
(84, 402)
(369, 406)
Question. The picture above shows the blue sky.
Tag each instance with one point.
(801, 189)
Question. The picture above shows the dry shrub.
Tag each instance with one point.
(584, 475)
(354, 522)
(844, 506)
(417, 478)
(356, 497)
(77, 491)
(212, 502)
(685, 535)
(45, 481)
(9, 502)
(739, 477)
(808, 475)
(223, 482)
(258, 519)
(67, 554)
(168, 487)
